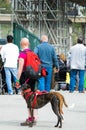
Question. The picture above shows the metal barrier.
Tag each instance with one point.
(19, 32)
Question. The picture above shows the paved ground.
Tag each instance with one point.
(13, 111)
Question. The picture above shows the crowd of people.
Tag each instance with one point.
(66, 69)
(70, 69)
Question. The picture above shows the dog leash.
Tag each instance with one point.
(27, 80)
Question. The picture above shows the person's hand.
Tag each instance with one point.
(57, 70)
(17, 85)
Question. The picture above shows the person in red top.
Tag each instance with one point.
(21, 77)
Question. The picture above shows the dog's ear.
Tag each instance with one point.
(25, 86)
(28, 86)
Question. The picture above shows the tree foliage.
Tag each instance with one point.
(5, 6)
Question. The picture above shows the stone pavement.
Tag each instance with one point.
(13, 111)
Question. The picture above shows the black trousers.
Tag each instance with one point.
(31, 82)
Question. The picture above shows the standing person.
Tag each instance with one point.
(77, 65)
(9, 53)
(48, 58)
(21, 76)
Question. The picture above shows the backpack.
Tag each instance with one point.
(33, 66)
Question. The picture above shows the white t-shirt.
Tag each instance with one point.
(78, 57)
(10, 53)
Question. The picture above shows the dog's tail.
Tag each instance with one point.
(61, 104)
(61, 97)
(65, 102)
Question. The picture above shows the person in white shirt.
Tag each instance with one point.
(77, 65)
(10, 53)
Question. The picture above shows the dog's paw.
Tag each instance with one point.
(31, 124)
(58, 126)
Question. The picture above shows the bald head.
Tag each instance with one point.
(44, 38)
(24, 43)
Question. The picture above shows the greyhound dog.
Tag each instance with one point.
(37, 99)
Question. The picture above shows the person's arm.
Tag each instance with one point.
(2, 53)
(69, 60)
(85, 58)
(20, 67)
(36, 50)
(55, 60)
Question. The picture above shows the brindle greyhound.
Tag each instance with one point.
(37, 100)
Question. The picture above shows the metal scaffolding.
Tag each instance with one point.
(45, 17)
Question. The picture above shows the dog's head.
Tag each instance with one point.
(25, 86)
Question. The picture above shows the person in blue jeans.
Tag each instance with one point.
(77, 65)
(73, 80)
(10, 53)
(48, 58)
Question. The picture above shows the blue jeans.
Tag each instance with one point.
(73, 75)
(45, 82)
(9, 72)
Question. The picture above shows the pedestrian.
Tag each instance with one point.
(48, 58)
(77, 65)
(21, 76)
(9, 54)
(62, 67)
(61, 75)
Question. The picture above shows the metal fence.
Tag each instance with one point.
(19, 32)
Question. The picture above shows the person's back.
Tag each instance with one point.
(77, 65)
(48, 58)
(46, 53)
(78, 52)
(9, 53)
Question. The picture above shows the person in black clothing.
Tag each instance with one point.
(61, 75)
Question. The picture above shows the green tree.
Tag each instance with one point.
(5, 4)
